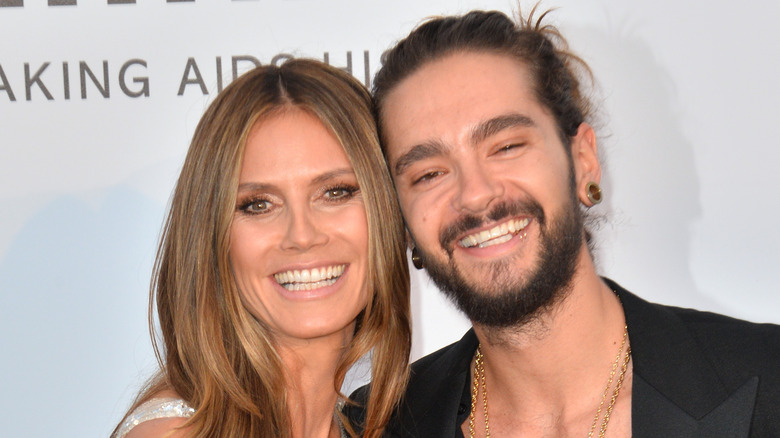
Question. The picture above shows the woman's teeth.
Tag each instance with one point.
(308, 279)
(496, 235)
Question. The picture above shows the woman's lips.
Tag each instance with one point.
(309, 279)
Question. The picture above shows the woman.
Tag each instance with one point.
(282, 262)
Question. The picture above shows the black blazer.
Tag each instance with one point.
(696, 374)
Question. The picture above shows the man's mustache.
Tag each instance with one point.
(506, 209)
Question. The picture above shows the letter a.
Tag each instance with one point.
(6, 86)
(185, 79)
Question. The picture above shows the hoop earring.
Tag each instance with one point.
(593, 192)
(416, 259)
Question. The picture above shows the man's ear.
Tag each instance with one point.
(585, 157)
(409, 240)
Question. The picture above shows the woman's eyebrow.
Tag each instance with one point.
(329, 175)
(254, 187)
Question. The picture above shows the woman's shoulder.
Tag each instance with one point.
(157, 417)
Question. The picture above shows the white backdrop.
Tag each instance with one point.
(87, 163)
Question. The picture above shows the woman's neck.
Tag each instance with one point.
(310, 370)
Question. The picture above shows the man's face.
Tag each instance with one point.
(486, 185)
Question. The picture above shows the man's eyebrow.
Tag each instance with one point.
(497, 124)
(417, 153)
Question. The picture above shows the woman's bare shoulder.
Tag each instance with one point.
(160, 416)
(159, 428)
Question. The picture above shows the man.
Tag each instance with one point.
(485, 132)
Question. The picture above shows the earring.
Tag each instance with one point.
(416, 259)
(593, 192)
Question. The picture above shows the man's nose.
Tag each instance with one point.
(477, 188)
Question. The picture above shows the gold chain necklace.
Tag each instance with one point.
(479, 382)
(616, 391)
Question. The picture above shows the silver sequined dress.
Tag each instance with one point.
(166, 408)
(154, 409)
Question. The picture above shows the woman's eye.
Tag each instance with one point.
(257, 206)
(340, 193)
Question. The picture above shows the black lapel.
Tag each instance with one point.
(654, 415)
(676, 390)
(430, 408)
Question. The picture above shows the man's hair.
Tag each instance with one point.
(540, 48)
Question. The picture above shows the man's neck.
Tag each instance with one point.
(557, 365)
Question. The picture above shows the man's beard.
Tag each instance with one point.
(512, 299)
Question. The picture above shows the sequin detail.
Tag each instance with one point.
(339, 407)
(154, 409)
(341, 428)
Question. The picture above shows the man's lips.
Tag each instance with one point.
(498, 234)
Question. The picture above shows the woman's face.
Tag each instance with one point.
(299, 237)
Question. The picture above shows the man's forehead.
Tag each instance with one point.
(452, 96)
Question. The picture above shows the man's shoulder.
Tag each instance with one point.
(724, 325)
(452, 358)
(702, 363)
(733, 344)
(723, 338)
(724, 335)
(435, 367)
(430, 404)
(719, 322)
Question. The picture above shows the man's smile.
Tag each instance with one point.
(500, 233)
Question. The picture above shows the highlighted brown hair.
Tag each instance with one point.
(213, 352)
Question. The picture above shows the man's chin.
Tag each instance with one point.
(488, 286)
(493, 275)
(496, 293)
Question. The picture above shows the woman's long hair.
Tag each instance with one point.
(214, 353)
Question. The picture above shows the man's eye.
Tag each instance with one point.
(427, 177)
(509, 147)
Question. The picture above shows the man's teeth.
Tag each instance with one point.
(498, 234)
(308, 279)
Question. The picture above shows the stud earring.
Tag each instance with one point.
(416, 259)
(593, 192)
